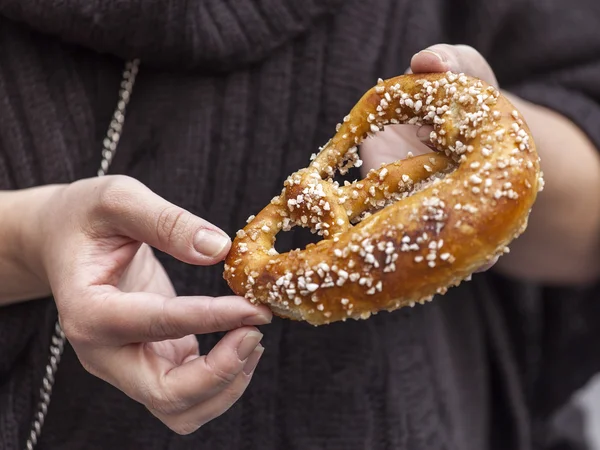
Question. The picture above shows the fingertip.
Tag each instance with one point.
(243, 311)
(212, 244)
(257, 319)
(253, 360)
(239, 343)
(260, 315)
(236, 335)
(224, 313)
(263, 314)
(429, 60)
(424, 133)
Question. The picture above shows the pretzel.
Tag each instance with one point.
(409, 230)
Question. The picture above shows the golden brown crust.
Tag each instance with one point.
(467, 202)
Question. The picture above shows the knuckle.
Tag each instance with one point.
(170, 224)
(467, 48)
(162, 328)
(222, 376)
(113, 194)
(74, 334)
(466, 53)
(215, 317)
(165, 325)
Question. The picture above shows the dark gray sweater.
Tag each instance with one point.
(233, 95)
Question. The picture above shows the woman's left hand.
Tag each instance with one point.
(397, 141)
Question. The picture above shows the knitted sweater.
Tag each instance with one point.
(232, 97)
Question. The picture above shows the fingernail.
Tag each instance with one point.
(253, 360)
(209, 242)
(248, 344)
(432, 53)
(256, 319)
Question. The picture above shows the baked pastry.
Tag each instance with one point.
(409, 230)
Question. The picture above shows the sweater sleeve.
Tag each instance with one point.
(545, 51)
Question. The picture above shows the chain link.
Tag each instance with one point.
(109, 148)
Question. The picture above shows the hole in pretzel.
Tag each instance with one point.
(350, 183)
(327, 207)
(295, 239)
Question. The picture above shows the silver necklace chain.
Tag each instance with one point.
(57, 345)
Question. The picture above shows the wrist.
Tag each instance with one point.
(23, 213)
(35, 230)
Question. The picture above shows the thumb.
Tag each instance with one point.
(133, 210)
(454, 58)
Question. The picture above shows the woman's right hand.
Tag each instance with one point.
(119, 311)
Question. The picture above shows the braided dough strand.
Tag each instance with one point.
(409, 230)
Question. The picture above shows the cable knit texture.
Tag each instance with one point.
(233, 96)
